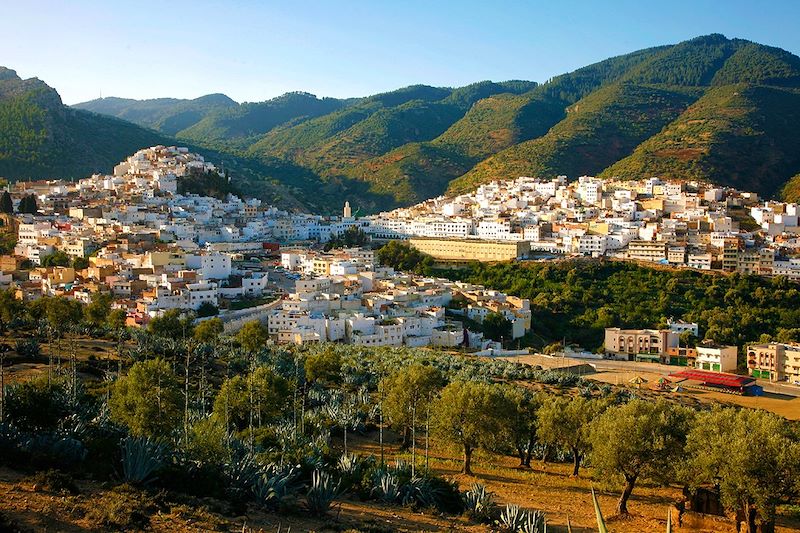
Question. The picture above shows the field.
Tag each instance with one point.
(28, 502)
(30, 507)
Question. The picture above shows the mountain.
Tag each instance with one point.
(41, 137)
(215, 119)
(710, 108)
(166, 115)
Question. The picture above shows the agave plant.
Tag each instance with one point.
(142, 458)
(348, 464)
(516, 519)
(419, 491)
(322, 493)
(511, 517)
(478, 501)
(242, 472)
(62, 449)
(274, 485)
(387, 487)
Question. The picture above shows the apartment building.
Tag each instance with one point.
(774, 361)
(472, 249)
(652, 251)
(640, 344)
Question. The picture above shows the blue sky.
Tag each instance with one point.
(255, 50)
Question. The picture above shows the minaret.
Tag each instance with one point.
(347, 211)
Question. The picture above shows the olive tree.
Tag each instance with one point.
(405, 391)
(638, 440)
(523, 422)
(208, 331)
(472, 415)
(564, 422)
(751, 457)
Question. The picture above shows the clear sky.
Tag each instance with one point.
(255, 50)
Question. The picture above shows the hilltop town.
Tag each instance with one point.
(134, 236)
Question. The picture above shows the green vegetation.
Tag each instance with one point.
(167, 115)
(404, 257)
(576, 300)
(641, 440)
(39, 136)
(709, 108)
(230, 418)
(791, 190)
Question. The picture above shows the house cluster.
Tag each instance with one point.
(669, 222)
(141, 236)
(345, 296)
(774, 360)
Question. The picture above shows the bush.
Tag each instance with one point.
(123, 507)
(54, 481)
(49, 449)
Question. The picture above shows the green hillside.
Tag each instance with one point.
(791, 190)
(597, 131)
(250, 120)
(40, 137)
(742, 135)
(166, 115)
(738, 132)
(710, 108)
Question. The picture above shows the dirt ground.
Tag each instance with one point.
(784, 405)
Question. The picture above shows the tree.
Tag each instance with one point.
(751, 457)
(472, 415)
(61, 312)
(404, 257)
(253, 336)
(565, 422)
(10, 308)
(172, 324)
(57, 258)
(80, 263)
(258, 398)
(207, 309)
(324, 366)
(523, 422)
(148, 400)
(28, 205)
(116, 319)
(640, 439)
(496, 327)
(209, 330)
(405, 391)
(97, 310)
(6, 203)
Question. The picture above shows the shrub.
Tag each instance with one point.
(54, 450)
(123, 507)
(54, 481)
